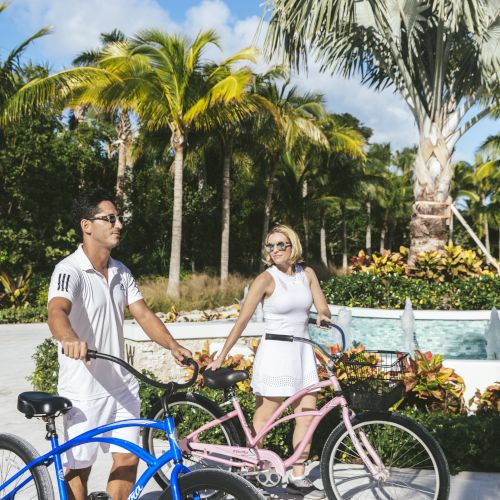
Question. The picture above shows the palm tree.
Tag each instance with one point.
(481, 185)
(291, 116)
(120, 117)
(11, 74)
(441, 56)
(158, 76)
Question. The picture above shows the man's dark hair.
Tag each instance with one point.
(86, 204)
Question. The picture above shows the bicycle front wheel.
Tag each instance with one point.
(190, 411)
(15, 454)
(214, 484)
(414, 464)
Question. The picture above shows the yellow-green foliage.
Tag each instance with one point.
(452, 262)
(488, 402)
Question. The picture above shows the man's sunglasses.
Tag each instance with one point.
(111, 218)
(280, 246)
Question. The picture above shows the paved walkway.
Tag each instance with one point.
(18, 343)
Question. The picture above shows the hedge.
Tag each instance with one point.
(390, 292)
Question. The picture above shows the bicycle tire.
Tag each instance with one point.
(15, 453)
(204, 410)
(214, 484)
(414, 461)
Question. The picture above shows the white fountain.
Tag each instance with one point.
(493, 336)
(408, 326)
(344, 320)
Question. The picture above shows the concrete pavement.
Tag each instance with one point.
(18, 344)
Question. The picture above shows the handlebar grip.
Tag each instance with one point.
(196, 369)
(283, 338)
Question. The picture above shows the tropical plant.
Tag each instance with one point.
(487, 402)
(441, 56)
(431, 386)
(15, 292)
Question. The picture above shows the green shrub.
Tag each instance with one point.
(391, 291)
(44, 377)
(28, 314)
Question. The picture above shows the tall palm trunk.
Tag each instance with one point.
(368, 242)
(383, 234)
(322, 236)
(486, 228)
(226, 207)
(450, 238)
(268, 207)
(174, 273)
(124, 130)
(344, 237)
(202, 173)
(433, 174)
(305, 220)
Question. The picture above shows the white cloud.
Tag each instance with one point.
(77, 24)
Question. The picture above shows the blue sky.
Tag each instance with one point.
(77, 24)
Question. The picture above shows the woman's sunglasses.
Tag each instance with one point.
(280, 246)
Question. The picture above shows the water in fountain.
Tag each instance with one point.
(493, 336)
(408, 326)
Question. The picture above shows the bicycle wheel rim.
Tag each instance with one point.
(411, 468)
(10, 464)
(185, 412)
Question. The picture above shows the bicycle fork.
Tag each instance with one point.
(370, 457)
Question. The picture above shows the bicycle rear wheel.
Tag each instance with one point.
(415, 465)
(15, 454)
(214, 484)
(188, 408)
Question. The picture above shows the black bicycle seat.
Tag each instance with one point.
(223, 378)
(42, 404)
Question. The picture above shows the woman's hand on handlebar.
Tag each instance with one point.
(323, 321)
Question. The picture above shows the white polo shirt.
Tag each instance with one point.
(97, 316)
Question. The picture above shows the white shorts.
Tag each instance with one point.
(86, 415)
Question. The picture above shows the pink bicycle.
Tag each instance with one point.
(375, 454)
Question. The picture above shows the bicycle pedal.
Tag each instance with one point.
(99, 495)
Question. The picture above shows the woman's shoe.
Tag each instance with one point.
(304, 487)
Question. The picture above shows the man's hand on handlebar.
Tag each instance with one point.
(75, 348)
(180, 353)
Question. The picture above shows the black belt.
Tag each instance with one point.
(283, 338)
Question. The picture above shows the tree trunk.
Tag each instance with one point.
(368, 243)
(383, 234)
(124, 130)
(344, 239)
(450, 238)
(305, 220)
(174, 273)
(226, 206)
(202, 174)
(433, 174)
(267, 208)
(486, 228)
(322, 237)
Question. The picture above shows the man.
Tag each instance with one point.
(88, 294)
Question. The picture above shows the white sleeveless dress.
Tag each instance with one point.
(283, 368)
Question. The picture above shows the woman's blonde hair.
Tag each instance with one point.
(293, 238)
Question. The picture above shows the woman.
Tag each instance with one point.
(287, 290)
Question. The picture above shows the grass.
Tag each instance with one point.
(198, 291)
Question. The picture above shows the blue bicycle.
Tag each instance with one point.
(24, 473)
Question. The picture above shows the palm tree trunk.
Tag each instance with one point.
(344, 238)
(305, 220)
(433, 174)
(486, 228)
(202, 173)
(226, 206)
(174, 272)
(383, 234)
(124, 130)
(368, 243)
(450, 238)
(267, 208)
(322, 237)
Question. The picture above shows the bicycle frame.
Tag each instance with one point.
(94, 436)
(251, 455)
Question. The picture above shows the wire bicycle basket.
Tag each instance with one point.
(371, 380)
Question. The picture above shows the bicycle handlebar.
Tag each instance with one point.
(92, 354)
(291, 338)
